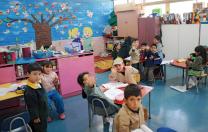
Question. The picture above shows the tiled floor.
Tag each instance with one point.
(184, 112)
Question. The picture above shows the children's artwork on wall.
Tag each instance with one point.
(50, 20)
(87, 39)
(76, 42)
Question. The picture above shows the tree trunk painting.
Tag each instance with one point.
(42, 34)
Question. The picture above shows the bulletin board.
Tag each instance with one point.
(73, 13)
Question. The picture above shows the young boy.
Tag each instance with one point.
(152, 59)
(88, 83)
(36, 99)
(123, 73)
(131, 115)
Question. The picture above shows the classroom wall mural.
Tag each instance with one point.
(44, 21)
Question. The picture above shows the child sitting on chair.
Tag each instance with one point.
(196, 64)
(131, 115)
(152, 60)
(36, 99)
(122, 73)
(88, 83)
(50, 83)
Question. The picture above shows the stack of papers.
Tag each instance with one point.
(4, 91)
(143, 128)
(10, 88)
(114, 85)
(113, 93)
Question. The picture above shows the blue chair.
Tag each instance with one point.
(16, 123)
(165, 129)
(99, 106)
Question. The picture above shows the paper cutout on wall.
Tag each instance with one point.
(87, 39)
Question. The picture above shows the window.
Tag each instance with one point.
(148, 9)
(138, 1)
(120, 2)
(147, 1)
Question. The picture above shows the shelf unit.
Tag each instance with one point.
(66, 67)
(111, 40)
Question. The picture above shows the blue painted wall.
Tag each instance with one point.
(88, 13)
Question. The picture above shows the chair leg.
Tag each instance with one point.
(90, 116)
(187, 82)
(197, 85)
(106, 125)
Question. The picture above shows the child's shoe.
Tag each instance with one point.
(50, 119)
(62, 116)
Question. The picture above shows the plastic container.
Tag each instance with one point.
(42, 54)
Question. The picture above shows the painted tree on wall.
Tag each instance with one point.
(47, 16)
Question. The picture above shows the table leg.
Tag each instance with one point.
(164, 72)
(149, 105)
(183, 74)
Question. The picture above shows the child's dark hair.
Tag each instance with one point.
(132, 90)
(144, 44)
(158, 38)
(115, 46)
(202, 52)
(47, 63)
(80, 78)
(34, 67)
(154, 45)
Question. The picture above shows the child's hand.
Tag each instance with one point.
(56, 81)
(37, 120)
(113, 70)
(151, 57)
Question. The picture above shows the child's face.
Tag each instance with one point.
(154, 49)
(118, 47)
(155, 41)
(133, 102)
(47, 69)
(197, 53)
(135, 44)
(119, 67)
(147, 47)
(34, 76)
(143, 47)
(89, 80)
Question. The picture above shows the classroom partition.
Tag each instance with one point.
(180, 40)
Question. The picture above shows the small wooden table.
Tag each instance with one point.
(181, 65)
(10, 99)
(10, 95)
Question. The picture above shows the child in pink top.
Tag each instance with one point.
(50, 83)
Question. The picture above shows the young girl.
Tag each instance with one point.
(196, 65)
(50, 83)
(157, 40)
(134, 53)
(115, 51)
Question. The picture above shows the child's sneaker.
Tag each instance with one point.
(50, 119)
(62, 116)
